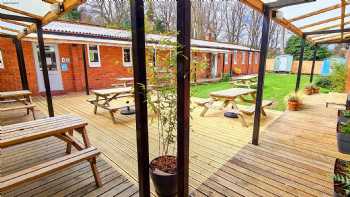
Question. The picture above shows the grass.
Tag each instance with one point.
(276, 88)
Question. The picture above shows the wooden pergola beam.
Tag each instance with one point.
(9, 29)
(331, 37)
(323, 21)
(343, 5)
(258, 5)
(15, 22)
(52, 1)
(333, 7)
(18, 11)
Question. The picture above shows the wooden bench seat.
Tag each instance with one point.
(17, 178)
(29, 107)
(61, 127)
(205, 103)
(251, 110)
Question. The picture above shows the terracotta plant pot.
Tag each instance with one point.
(308, 91)
(316, 90)
(293, 105)
(165, 183)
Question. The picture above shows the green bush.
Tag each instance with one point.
(324, 82)
(226, 77)
(338, 77)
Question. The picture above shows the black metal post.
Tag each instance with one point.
(44, 68)
(223, 65)
(21, 64)
(262, 62)
(140, 89)
(231, 64)
(301, 58)
(183, 94)
(313, 64)
(87, 89)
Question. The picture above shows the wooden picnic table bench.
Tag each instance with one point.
(230, 96)
(16, 100)
(61, 127)
(104, 97)
(245, 81)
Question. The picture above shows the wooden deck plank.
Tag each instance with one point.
(295, 156)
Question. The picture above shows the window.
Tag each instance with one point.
(226, 58)
(243, 57)
(2, 65)
(250, 58)
(127, 62)
(94, 56)
(234, 57)
(256, 58)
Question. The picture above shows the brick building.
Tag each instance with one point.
(108, 56)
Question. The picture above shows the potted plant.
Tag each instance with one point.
(341, 178)
(315, 89)
(163, 101)
(294, 101)
(343, 137)
(308, 90)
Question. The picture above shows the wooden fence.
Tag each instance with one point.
(306, 69)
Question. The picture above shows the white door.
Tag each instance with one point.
(53, 67)
(214, 65)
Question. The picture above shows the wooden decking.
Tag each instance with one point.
(295, 157)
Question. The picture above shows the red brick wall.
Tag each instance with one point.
(99, 77)
(9, 76)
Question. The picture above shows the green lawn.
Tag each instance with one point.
(277, 87)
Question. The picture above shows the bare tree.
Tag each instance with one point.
(112, 12)
(234, 13)
(254, 28)
(165, 11)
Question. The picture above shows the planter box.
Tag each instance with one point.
(343, 140)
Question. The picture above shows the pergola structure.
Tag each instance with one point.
(316, 21)
(16, 21)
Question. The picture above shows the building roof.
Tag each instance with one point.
(80, 33)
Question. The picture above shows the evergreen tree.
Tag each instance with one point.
(293, 48)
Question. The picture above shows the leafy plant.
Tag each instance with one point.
(345, 128)
(226, 77)
(294, 97)
(324, 82)
(309, 86)
(346, 113)
(338, 77)
(342, 181)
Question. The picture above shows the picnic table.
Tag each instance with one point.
(246, 81)
(104, 97)
(230, 96)
(10, 100)
(126, 81)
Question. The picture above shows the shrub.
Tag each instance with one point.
(338, 77)
(226, 77)
(324, 82)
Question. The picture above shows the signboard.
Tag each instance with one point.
(64, 66)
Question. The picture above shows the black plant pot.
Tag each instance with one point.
(164, 183)
(343, 141)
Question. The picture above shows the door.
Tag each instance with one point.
(214, 65)
(53, 67)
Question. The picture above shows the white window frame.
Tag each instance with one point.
(127, 64)
(235, 57)
(243, 57)
(256, 58)
(226, 58)
(250, 58)
(94, 64)
(2, 64)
